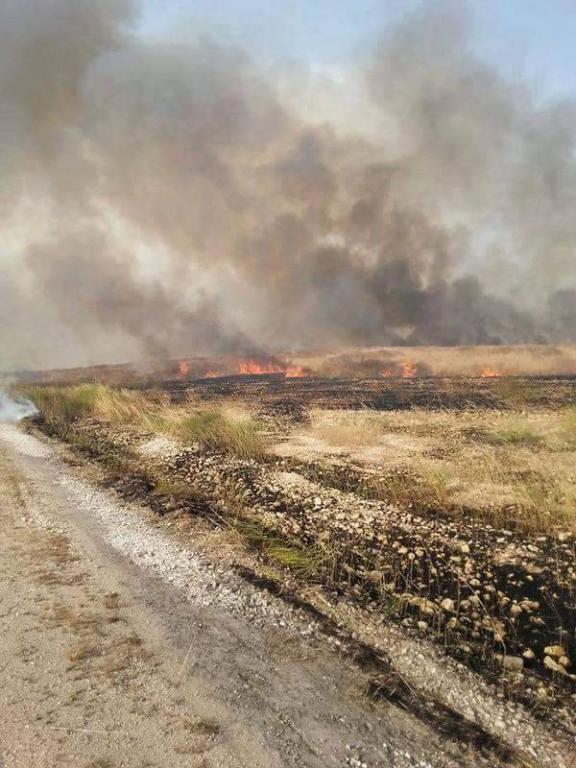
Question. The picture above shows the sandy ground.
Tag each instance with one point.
(120, 647)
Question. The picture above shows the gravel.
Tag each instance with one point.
(158, 553)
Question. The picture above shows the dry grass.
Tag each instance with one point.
(368, 428)
(210, 428)
(516, 431)
(513, 470)
(216, 429)
(521, 360)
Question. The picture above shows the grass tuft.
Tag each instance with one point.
(309, 562)
(212, 428)
(514, 433)
(215, 432)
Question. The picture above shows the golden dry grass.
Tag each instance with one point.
(219, 429)
(514, 470)
(521, 360)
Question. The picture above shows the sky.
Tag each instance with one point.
(527, 39)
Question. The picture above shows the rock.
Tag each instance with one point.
(555, 651)
(474, 599)
(529, 654)
(513, 663)
(422, 626)
(515, 610)
(447, 605)
(552, 666)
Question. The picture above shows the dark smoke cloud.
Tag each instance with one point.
(182, 206)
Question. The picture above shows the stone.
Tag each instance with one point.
(513, 663)
(447, 604)
(555, 651)
(552, 666)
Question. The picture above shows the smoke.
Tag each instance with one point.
(13, 410)
(181, 203)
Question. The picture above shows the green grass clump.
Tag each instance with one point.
(514, 434)
(514, 431)
(65, 405)
(309, 561)
(215, 432)
(61, 407)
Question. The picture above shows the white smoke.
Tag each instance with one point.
(14, 409)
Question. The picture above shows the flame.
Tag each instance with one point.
(254, 367)
(183, 368)
(409, 370)
(295, 372)
(490, 373)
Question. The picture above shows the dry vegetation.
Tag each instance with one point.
(212, 428)
(303, 485)
(478, 361)
(522, 360)
(511, 469)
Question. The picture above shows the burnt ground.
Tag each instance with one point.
(275, 394)
(501, 602)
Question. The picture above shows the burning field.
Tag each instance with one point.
(347, 292)
(374, 363)
(445, 504)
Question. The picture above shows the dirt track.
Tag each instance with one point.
(121, 648)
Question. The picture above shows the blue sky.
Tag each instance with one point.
(525, 38)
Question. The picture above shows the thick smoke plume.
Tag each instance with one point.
(164, 199)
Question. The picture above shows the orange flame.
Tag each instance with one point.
(409, 370)
(184, 368)
(254, 367)
(295, 372)
(261, 367)
(490, 373)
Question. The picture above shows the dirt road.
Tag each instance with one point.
(120, 646)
